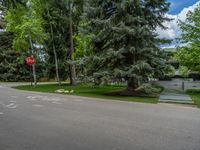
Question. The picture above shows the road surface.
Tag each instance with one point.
(40, 121)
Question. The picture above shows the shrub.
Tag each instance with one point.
(149, 89)
(193, 91)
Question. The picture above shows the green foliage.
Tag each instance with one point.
(113, 40)
(124, 39)
(56, 17)
(189, 55)
(26, 24)
(12, 62)
(12, 3)
(183, 71)
(170, 71)
(83, 50)
(195, 94)
(56, 47)
(149, 89)
(83, 45)
(12, 65)
(191, 27)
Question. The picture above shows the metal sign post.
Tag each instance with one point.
(30, 61)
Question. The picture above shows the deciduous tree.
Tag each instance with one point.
(189, 55)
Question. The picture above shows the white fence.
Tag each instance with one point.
(180, 84)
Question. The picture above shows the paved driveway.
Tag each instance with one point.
(39, 121)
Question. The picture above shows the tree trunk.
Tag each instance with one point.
(72, 65)
(55, 57)
(56, 64)
(132, 84)
(33, 66)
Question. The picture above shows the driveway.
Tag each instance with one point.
(40, 121)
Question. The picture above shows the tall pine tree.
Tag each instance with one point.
(124, 39)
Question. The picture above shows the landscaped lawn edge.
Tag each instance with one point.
(87, 91)
(195, 95)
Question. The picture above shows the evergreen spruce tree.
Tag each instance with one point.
(124, 40)
(13, 67)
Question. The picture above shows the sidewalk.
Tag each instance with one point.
(174, 92)
(175, 96)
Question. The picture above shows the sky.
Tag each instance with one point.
(178, 5)
(178, 11)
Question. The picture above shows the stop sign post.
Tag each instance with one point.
(30, 61)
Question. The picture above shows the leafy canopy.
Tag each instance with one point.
(25, 23)
(189, 55)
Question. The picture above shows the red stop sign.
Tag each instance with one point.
(30, 60)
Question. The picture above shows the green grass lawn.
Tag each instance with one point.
(89, 91)
(195, 95)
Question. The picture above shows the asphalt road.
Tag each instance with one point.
(40, 121)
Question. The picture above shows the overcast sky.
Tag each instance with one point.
(178, 11)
